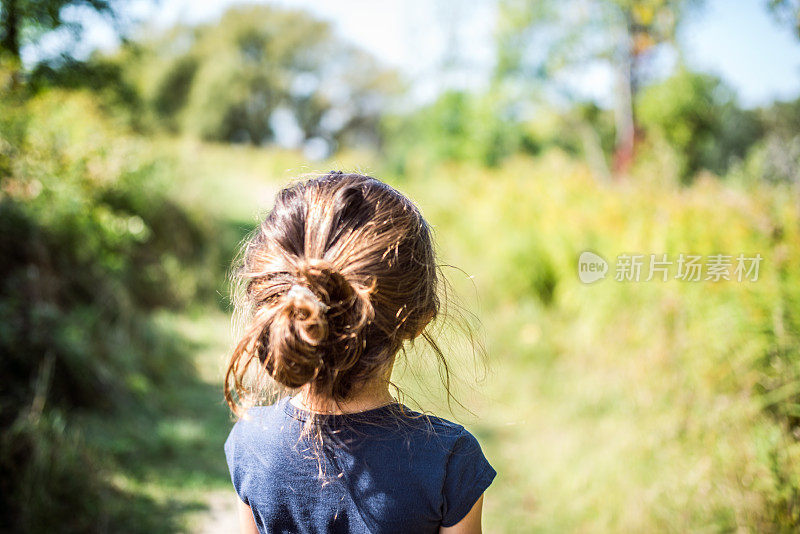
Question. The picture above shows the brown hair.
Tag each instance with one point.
(338, 276)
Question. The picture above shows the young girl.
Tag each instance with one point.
(338, 278)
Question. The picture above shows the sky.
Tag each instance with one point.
(735, 39)
(739, 41)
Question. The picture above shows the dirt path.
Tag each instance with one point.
(214, 500)
(220, 516)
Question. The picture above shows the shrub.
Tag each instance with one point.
(90, 244)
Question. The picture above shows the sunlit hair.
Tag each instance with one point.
(338, 276)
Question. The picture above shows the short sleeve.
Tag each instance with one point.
(233, 457)
(467, 477)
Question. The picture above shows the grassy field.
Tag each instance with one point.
(172, 459)
(605, 408)
(654, 405)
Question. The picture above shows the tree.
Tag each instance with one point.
(698, 116)
(547, 40)
(787, 12)
(25, 21)
(256, 70)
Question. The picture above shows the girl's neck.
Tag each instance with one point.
(370, 397)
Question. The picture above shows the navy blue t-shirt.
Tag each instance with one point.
(389, 469)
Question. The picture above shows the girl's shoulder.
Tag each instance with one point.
(454, 459)
(428, 425)
(282, 421)
(390, 449)
(254, 423)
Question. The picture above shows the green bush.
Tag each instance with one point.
(628, 407)
(91, 243)
(699, 117)
(458, 126)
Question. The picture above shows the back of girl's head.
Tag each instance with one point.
(340, 273)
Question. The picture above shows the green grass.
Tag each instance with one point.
(627, 407)
(606, 408)
(166, 454)
(167, 451)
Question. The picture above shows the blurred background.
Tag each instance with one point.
(141, 141)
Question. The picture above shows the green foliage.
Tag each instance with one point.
(699, 118)
(776, 157)
(787, 12)
(41, 453)
(231, 80)
(628, 407)
(542, 47)
(105, 79)
(611, 407)
(173, 89)
(539, 38)
(91, 244)
(25, 21)
(458, 126)
(54, 471)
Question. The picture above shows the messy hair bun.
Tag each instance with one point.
(340, 273)
(314, 327)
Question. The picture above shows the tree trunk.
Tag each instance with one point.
(11, 27)
(593, 149)
(625, 120)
